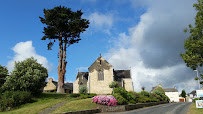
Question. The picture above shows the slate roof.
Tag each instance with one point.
(66, 85)
(119, 74)
(193, 92)
(84, 74)
(170, 90)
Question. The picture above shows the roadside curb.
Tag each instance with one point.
(118, 108)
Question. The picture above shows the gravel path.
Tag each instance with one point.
(50, 109)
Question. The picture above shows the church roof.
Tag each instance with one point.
(84, 74)
(66, 85)
(170, 90)
(119, 74)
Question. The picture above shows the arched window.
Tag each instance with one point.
(100, 75)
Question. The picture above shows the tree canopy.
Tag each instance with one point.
(28, 75)
(3, 74)
(63, 24)
(183, 94)
(193, 56)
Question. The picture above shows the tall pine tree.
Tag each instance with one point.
(65, 26)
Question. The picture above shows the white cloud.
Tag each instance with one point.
(153, 46)
(25, 50)
(82, 69)
(99, 20)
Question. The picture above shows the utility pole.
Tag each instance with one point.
(198, 78)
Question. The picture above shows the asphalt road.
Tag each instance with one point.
(170, 108)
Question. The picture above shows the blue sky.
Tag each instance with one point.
(145, 36)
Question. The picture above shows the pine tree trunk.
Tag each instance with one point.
(61, 73)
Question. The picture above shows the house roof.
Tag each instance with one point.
(170, 90)
(119, 74)
(84, 74)
(193, 92)
(66, 85)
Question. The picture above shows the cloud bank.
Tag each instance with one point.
(152, 47)
(25, 50)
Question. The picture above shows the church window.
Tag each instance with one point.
(100, 75)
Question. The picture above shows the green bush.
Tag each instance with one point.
(122, 92)
(144, 93)
(11, 99)
(28, 75)
(196, 99)
(132, 101)
(83, 89)
(121, 100)
(91, 95)
(74, 95)
(161, 94)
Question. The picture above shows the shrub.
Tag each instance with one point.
(28, 75)
(121, 100)
(74, 95)
(11, 99)
(144, 93)
(161, 94)
(83, 89)
(91, 95)
(194, 100)
(105, 100)
(122, 92)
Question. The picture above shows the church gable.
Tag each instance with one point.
(99, 65)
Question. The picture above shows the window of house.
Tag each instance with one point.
(100, 75)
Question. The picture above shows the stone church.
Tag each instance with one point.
(100, 75)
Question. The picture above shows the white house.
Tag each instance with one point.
(172, 93)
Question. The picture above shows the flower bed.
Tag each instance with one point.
(105, 100)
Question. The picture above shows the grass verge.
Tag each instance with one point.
(193, 110)
(43, 101)
(83, 104)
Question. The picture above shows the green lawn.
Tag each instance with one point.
(194, 110)
(44, 101)
(77, 105)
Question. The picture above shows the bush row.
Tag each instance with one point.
(82, 96)
(125, 97)
(11, 99)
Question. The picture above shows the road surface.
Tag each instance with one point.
(170, 108)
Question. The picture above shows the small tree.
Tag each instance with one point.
(83, 89)
(183, 94)
(113, 85)
(28, 75)
(143, 88)
(3, 75)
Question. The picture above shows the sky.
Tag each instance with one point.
(145, 36)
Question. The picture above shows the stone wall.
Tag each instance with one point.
(128, 85)
(50, 86)
(100, 86)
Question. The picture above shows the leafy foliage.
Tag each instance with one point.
(145, 93)
(193, 56)
(28, 75)
(160, 92)
(11, 99)
(63, 23)
(121, 100)
(113, 84)
(83, 89)
(183, 94)
(3, 74)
